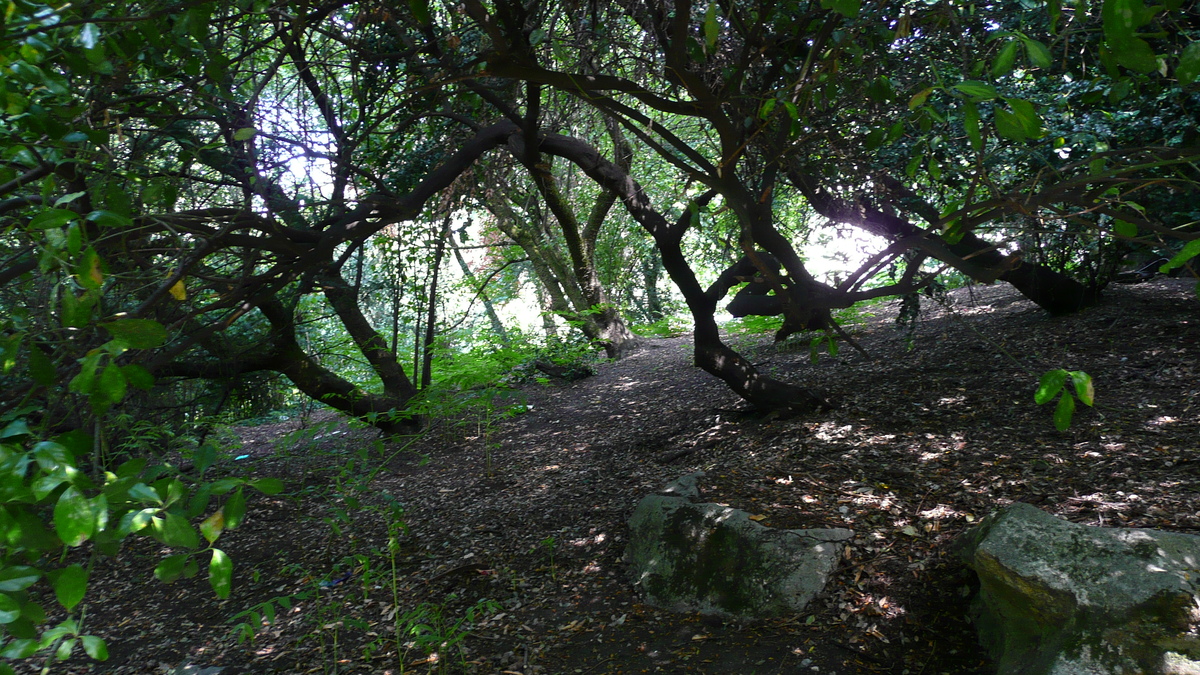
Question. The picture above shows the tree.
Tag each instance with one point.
(768, 86)
(214, 197)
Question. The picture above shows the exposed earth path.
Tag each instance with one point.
(934, 431)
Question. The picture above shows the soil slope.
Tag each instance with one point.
(934, 429)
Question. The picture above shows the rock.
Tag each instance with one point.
(1057, 598)
(715, 560)
(685, 486)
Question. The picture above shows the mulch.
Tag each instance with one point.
(520, 516)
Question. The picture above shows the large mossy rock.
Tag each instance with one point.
(716, 560)
(1058, 598)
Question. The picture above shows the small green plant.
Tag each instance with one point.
(815, 345)
(549, 544)
(427, 628)
(1054, 382)
(51, 506)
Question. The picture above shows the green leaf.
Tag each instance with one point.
(711, 29)
(71, 586)
(52, 218)
(224, 485)
(1005, 59)
(41, 369)
(1063, 412)
(10, 610)
(1190, 250)
(74, 520)
(110, 386)
(175, 530)
(971, 124)
(1120, 19)
(29, 532)
(220, 573)
(89, 35)
(267, 486)
(77, 310)
(847, 8)
(1039, 55)
(420, 10)
(1031, 122)
(212, 526)
(244, 134)
(1051, 384)
(89, 270)
(1009, 125)
(171, 567)
(1125, 229)
(95, 647)
(138, 377)
(64, 649)
(85, 381)
(52, 456)
(137, 333)
(18, 578)
(17, 649)
(764, 111)
(175, 491)
(133, 467)
(979, 91)
(109, 219)
(145, 493)
(235, 510)
(136, 521)
(919, 98)
(1084, 388)
(1136, 55)
(16, 429)
(1189, 64)
(875, 139)
(198, 503)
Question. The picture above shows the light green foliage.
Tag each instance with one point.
(754, 325)
(1054, 382)
(668, 326)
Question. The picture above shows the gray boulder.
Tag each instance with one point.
(715, 560)
(1058, 598)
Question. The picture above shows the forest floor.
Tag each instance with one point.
(523, 516)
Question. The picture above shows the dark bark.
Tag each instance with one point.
(321, 384)
(343, 298)
(711, 353)
(431, 316)
(283, 354)
(599, 319)
(1055, 292)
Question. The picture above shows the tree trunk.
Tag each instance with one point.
(497, 325)
(710, 352)
(1052, 291)
(651, 270)
(431, 319)
(319, 383)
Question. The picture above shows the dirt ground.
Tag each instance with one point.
(500, 537)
